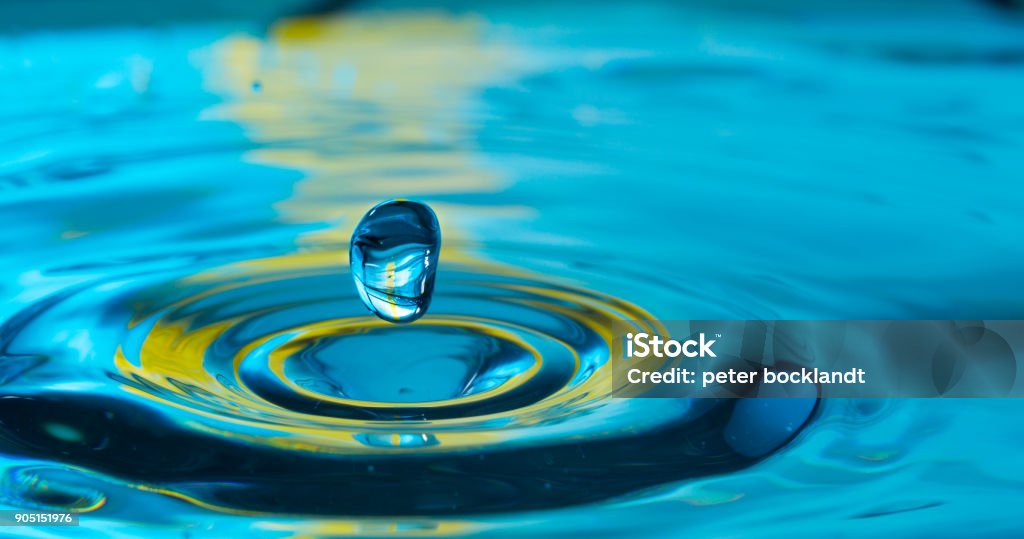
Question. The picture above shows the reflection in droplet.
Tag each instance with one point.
(393, 255)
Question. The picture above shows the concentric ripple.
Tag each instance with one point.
(261, 386)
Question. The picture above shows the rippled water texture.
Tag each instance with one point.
(183, 351)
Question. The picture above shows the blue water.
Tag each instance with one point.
(393, 259)
(183, 352)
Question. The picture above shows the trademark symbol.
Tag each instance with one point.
(719, 335)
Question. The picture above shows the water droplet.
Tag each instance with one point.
(394, 259)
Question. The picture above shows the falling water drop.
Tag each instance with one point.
(393, 255)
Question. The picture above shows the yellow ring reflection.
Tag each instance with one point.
(349, 326)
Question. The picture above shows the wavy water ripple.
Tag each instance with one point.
(182, 352)
(270, 376)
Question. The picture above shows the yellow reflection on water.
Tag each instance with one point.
(368, 106)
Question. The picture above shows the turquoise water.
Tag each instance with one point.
(183, 352)
(393, 258)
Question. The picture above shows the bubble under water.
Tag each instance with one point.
(393, 255)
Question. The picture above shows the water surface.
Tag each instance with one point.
(183, 353)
